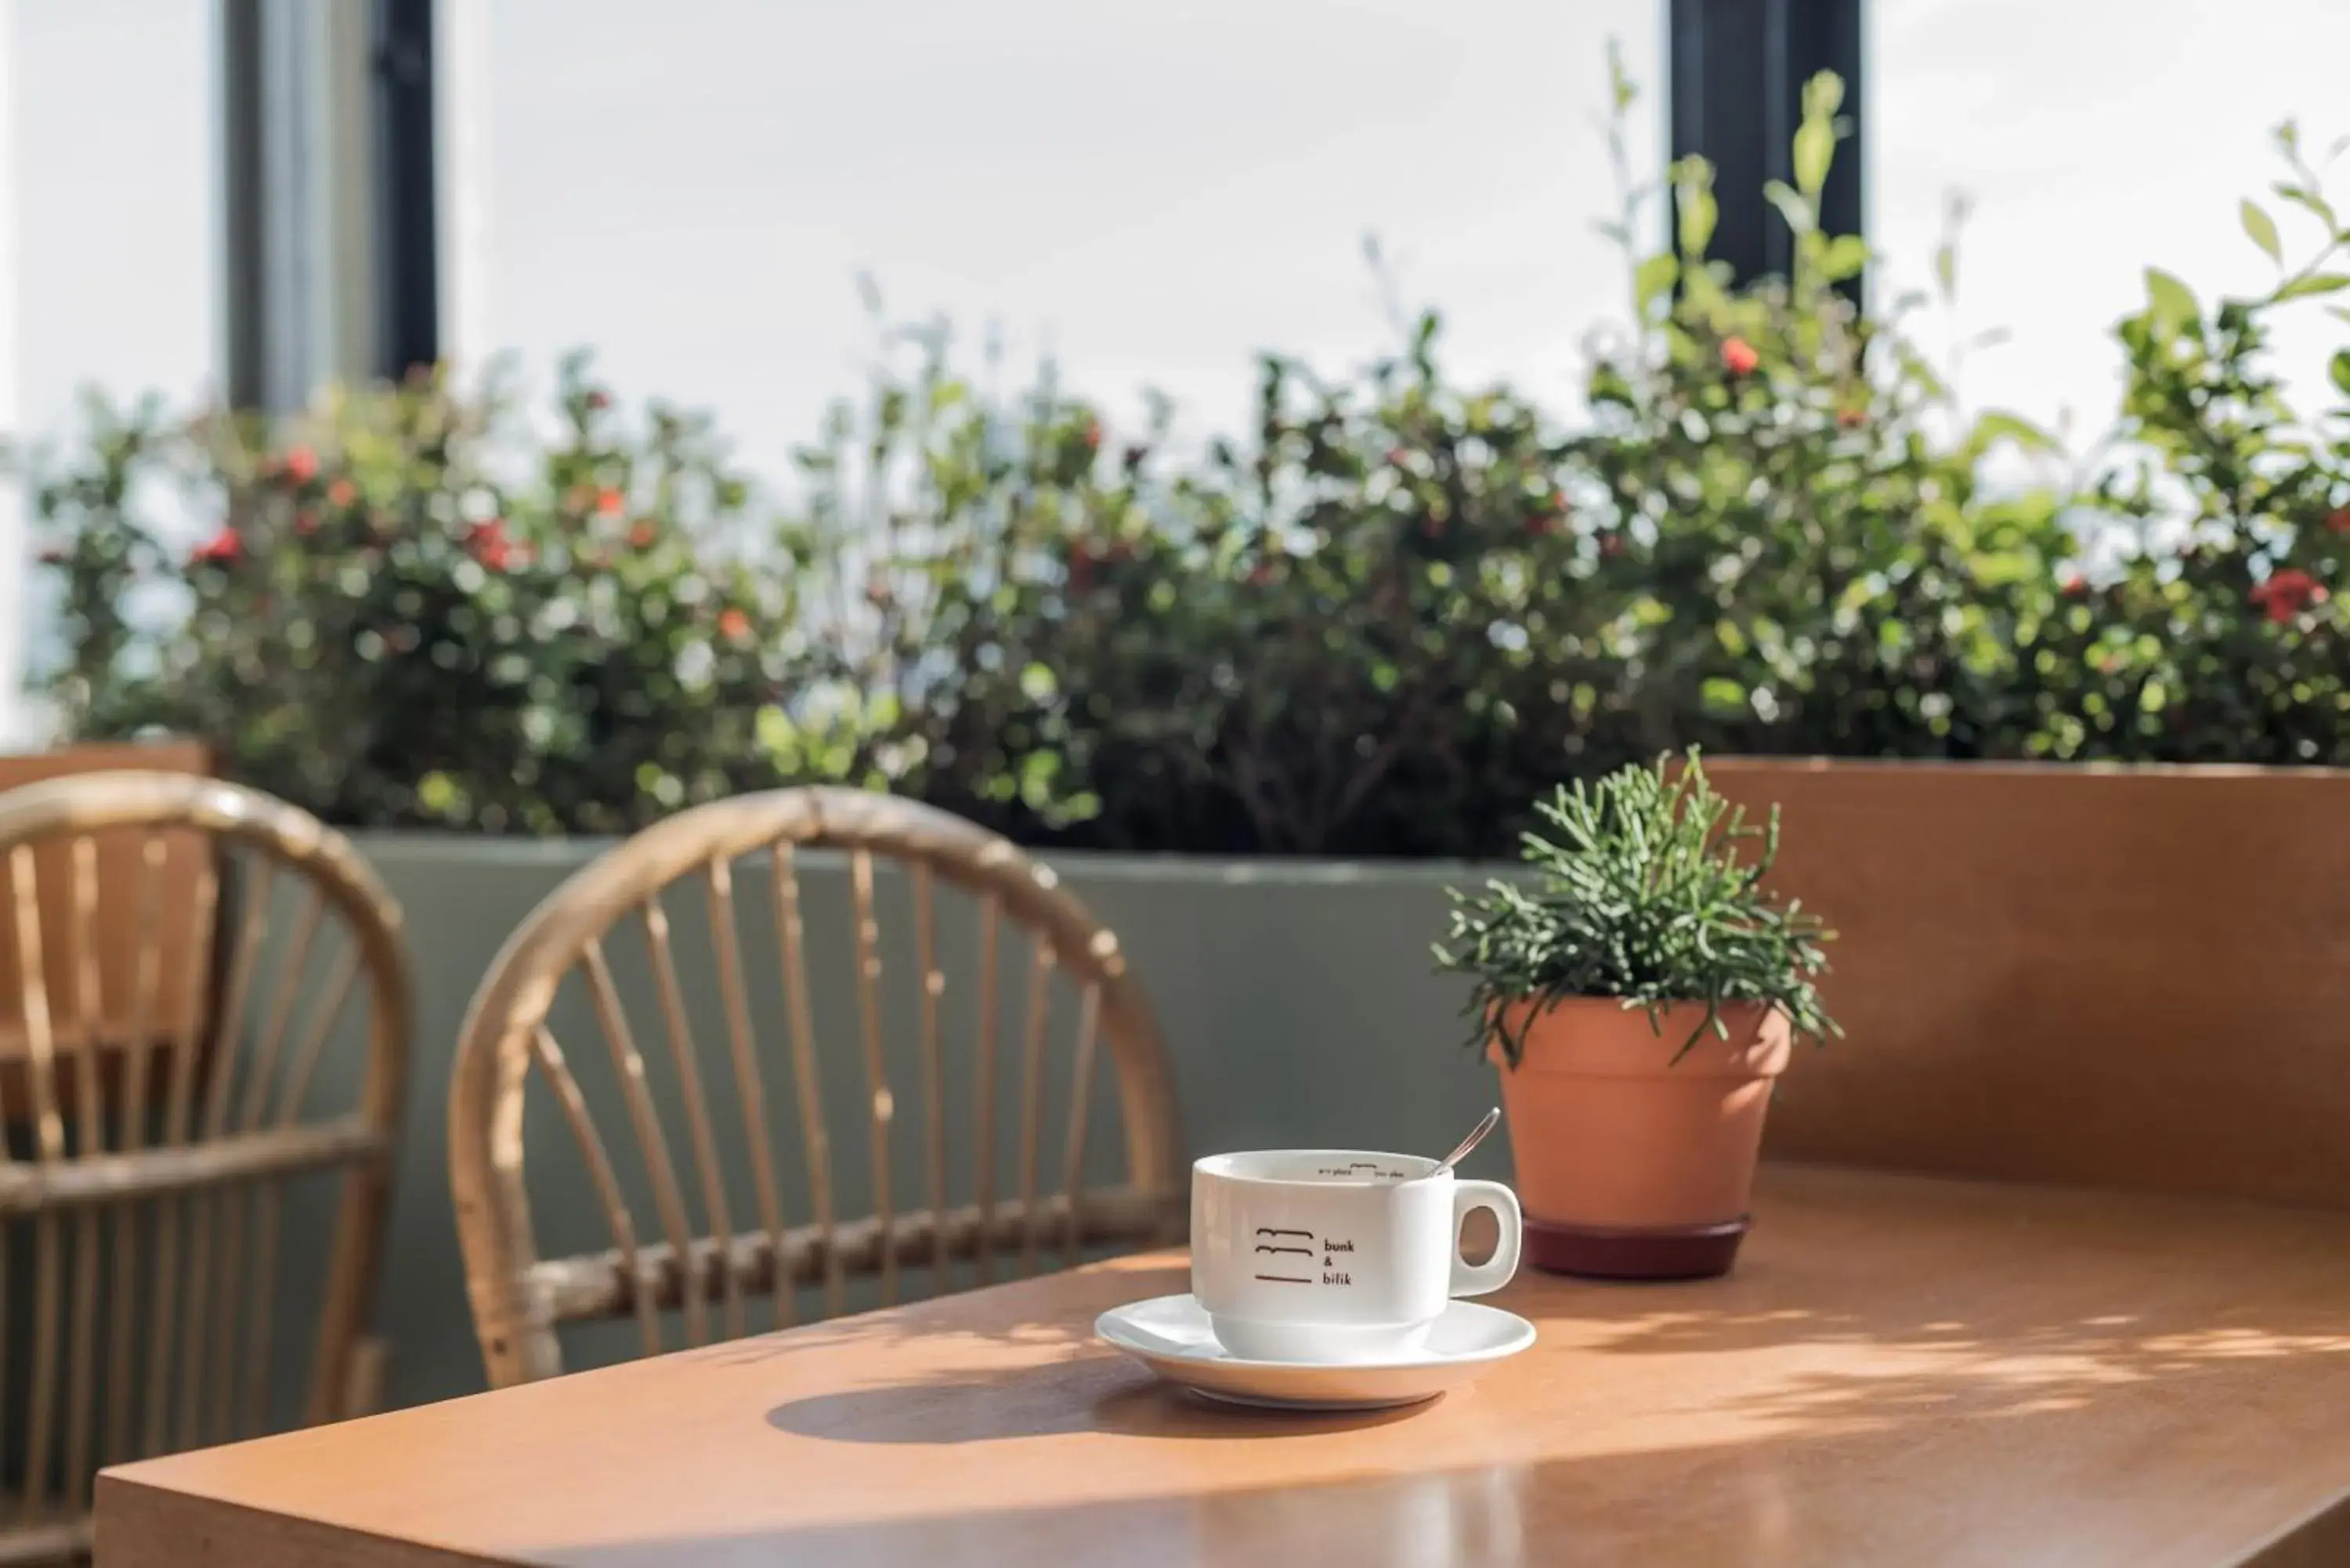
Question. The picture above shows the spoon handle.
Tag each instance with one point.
(1476, 1135)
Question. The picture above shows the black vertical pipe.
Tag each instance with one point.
(1736, 72)
(407, 232)
(244, 234)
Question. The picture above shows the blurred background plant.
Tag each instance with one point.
(408, 610)
(2215, 634)
(1382, 620)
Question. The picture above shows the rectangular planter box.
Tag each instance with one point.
(2111, 976)
(2127, 979)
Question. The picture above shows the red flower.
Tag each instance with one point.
(641, 537)
(2338, 519)
(301, 465)
(306, 522)
(733, 625)
(488, 544)
(1261, 574)
(1092, 436)
(1550, 519)
(599, 399)
(1739, 356)
(342, 493)
(2286, 592)
(1610, 545)
(1398, 457)
(1851, 419)
(2076, 587)
(222, 549)
(609, 501)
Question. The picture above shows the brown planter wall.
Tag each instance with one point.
(2135, 978)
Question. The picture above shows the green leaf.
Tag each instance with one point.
(2311, 201)
(1723, 698)
(2316, 283)
(1620, 81)
(1946, 268)
(1698, 214)
(1997, 425)
(1814, 150)
(1846, 256)
(2171, 302)
(2336, 310)
(1799, 213)
(1822, 96)
(2263, 230)
(1653, 279)
(2339, 368)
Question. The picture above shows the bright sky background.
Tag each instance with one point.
(2097, 137)
(1149, 192)
(1152, 191)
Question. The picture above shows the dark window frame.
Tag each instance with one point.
(1735, 71)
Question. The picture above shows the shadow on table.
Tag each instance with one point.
(1093, 1391)
(1067, 1304)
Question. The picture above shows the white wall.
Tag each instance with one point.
(2098, 137)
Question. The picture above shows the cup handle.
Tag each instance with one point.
(1476, 1279)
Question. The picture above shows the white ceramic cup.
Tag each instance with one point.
(1337, 1255)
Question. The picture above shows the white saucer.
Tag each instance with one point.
(1169, 1335)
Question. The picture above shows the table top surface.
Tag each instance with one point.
(1900, 1371)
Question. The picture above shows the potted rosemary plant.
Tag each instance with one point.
(1640, 991)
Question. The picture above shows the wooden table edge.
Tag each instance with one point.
(2318, 1538)
(130, 1531)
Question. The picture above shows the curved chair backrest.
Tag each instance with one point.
(1017, 1211)
(184, 1079)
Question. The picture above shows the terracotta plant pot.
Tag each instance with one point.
(1631, 1165)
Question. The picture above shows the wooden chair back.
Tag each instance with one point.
(794, 1232)
(147, 1170)
(182, 998)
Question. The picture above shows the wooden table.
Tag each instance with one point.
(1902, 1372)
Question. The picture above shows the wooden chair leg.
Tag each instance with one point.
(363, 1387)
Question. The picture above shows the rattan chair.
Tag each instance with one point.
(795, 1240)
(162, 1134)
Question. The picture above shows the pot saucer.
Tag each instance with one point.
(1170, 1335)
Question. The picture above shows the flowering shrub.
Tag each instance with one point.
(2218, 636)
(384, 627)
(1382, 620)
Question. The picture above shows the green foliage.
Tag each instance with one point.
(383, 629)
(2214, 634)
(1379, 620)
(1638, 890)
